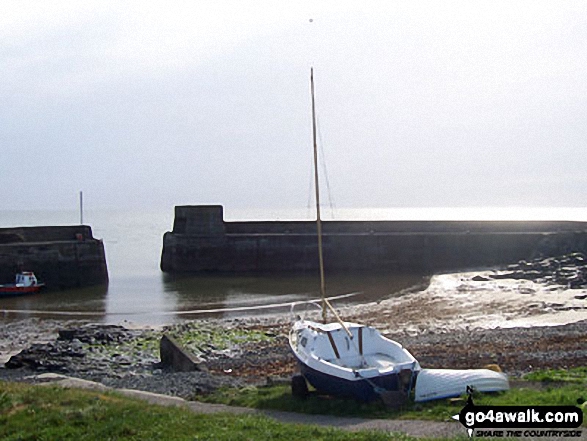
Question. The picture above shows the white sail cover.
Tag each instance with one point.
(434, 384)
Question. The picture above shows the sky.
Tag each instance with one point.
(150, 104)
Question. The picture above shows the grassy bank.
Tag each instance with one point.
(548, 387)
(50, 413)
(46, 412)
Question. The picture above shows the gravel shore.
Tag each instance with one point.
(128, 358)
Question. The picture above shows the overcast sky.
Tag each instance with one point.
(153, 104)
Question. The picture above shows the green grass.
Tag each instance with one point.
(575, 375)
(47, 412)
(279, 397)
(50, 413)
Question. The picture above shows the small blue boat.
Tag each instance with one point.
(352, 360)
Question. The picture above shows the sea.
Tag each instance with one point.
(140, 294)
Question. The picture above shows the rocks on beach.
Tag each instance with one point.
(129, 358)
(86, 351)
(569, 271)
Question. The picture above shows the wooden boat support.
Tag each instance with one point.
(202, 241)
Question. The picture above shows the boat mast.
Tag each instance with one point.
(317, 188)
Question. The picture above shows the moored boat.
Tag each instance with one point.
(26, 283)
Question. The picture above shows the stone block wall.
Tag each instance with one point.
(201, 241)
(61, 257)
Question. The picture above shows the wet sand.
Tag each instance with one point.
(474, 300)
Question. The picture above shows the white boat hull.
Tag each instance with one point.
(363, 366)
(435, 384)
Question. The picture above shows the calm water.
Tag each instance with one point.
(140, 293)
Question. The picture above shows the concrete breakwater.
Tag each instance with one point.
(201, 241)
(62, 256)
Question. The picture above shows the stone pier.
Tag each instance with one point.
(62, 257)
(202, 242)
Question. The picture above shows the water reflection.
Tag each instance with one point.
(139, 293)
(140, 299)
(83, 302)
(159, 299)
(239, 295)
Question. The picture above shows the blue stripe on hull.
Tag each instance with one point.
(361, 390)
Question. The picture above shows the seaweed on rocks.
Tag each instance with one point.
(129, 358)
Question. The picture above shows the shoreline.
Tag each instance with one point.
(460, 320)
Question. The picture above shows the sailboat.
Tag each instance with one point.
(342, 358)
(353, 360)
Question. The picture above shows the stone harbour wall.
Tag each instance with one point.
(201, 241)
(62, 257)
